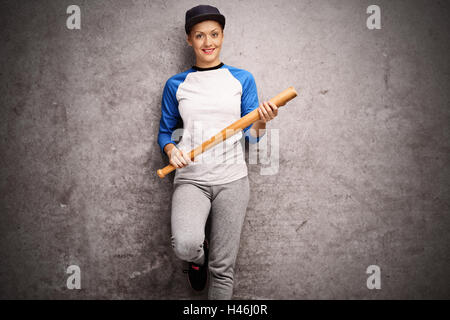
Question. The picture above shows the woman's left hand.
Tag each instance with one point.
(267, 111)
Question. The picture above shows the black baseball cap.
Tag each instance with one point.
(201, 13)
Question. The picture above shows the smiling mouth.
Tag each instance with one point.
(208, 51)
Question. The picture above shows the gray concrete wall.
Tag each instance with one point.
(363, 162)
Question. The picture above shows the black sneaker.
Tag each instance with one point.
(198, 275)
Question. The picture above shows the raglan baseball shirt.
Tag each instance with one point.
(207, 100)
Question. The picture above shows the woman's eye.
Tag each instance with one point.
(215, 34)
(198, 36)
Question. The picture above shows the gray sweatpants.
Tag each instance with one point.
(191, 205)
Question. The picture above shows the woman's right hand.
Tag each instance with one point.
(179, 158)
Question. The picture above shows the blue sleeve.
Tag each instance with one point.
(249, 102)
(170, 115)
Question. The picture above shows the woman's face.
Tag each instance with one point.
(206, 39)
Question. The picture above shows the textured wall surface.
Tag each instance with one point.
(364, 150)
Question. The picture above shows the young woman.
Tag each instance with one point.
(207, 98)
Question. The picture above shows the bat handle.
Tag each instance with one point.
(165, 171)
(169, 168)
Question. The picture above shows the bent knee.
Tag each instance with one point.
(187, 249)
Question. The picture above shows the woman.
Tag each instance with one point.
(207, 98)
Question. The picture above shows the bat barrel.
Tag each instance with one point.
(284, 97)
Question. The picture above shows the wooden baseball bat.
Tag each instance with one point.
(279, 100)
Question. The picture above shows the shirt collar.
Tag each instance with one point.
(207, 69)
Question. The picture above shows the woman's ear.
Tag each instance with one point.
(188, 40)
